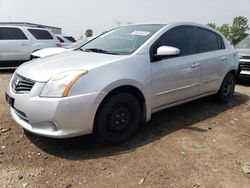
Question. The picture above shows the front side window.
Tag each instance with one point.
(41, 34)
(207, 41)
(7, 33)
(60, 39)
(183, 38)
(123, 40)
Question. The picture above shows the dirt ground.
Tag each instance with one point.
(199, 144)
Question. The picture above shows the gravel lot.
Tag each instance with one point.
(199, 144)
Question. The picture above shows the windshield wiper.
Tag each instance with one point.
(98, 50)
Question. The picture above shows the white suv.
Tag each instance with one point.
(17, 43)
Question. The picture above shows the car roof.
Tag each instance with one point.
(177, 24)
(23, 27)
(168, 24)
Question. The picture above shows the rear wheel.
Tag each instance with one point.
(226, 91)
(118, 119)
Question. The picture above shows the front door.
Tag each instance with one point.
(176, 78)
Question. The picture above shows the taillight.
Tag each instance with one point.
(58, 44)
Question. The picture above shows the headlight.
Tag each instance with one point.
(60, 85)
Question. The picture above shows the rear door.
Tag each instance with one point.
(176, 78)
(43, 39)
(14, 44)
(213, 60)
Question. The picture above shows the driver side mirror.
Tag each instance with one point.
(164, 51)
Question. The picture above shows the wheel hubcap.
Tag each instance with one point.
(119, 118)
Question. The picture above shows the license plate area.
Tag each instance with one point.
(9, 100)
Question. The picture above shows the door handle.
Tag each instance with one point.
(23, 44)
(194, 65)
(223, 58)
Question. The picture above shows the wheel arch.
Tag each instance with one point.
(231, 70)
(127, 88)
(234, 71)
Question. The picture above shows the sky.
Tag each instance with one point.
(75, 16)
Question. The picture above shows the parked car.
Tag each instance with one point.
(52, 51)
(65, 40)
(243, 48)
(116, 81)
(18, 42)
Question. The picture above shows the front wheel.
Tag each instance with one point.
(118, 119)
(226, 90)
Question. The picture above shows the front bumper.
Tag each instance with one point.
(53, 117)
(244, 69)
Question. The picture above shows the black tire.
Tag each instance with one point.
(118, 119)
(226, 90)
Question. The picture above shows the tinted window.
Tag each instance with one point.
(70, 39)
(11, 34)
(183, 38)
(221, 43)
(208, 41)
(41, 34)
(60, 39)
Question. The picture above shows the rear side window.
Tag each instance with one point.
(7, 33)
(221, 43)
(60, 39)
(70, 39)
(183, 38)
(41, 34)
(209, 41)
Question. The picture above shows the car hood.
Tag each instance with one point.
(43, 69)
(49, 51)
(244, 52)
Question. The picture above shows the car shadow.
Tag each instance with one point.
(162, 124)
(7, 70)
(244, 82)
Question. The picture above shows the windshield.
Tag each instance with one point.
(123, 40)
(78, 44)
(244, 44)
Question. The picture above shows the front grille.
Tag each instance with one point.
(245, 66)
(245, 57)
(21, 85)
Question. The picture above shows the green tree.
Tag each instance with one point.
(225, 30)
(89, 33)
(213, 25)
(239, 29)
(236, 32)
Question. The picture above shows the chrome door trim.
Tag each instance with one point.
(182, 101)
(178, 89)
(211, 80)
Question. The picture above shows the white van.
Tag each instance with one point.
(18, 42)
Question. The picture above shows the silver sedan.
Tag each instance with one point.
(115, 82)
